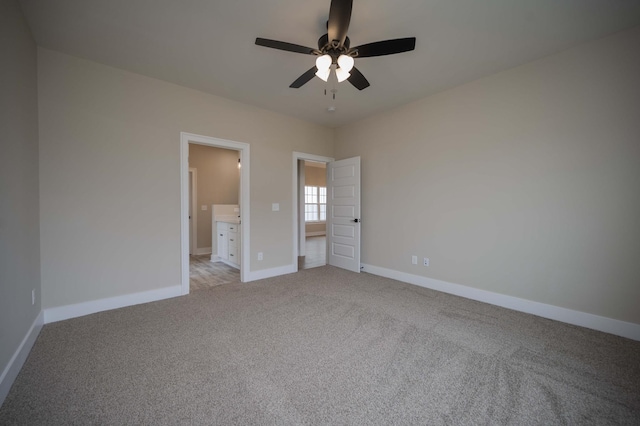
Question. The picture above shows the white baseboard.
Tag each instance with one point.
(215, 258)
(268, 273)
(315, 233)
(85, 308)
(229, 263)
(19, 357)
(583, 319)
(203, 250)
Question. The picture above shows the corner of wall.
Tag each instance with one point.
(16, 362)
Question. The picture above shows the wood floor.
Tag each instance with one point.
(204, 274)
(316, 253)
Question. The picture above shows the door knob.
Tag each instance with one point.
(356, 220)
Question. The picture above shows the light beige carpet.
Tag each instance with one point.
(324, 346)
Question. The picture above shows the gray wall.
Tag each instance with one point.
(524, 183)
(110, 176)
(19, 220)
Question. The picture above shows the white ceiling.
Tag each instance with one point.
(209, 44)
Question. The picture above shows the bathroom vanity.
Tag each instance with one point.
(226, 234)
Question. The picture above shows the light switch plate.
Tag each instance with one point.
(204, 207)
(275, 207)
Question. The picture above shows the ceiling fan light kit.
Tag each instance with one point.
(323, 62)
(342, 74)
(323, 74)
(334, 49)
(345, 62)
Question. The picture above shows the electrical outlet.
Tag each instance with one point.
(426, 261)
(33, 296)
(260, 256)
(414, 260)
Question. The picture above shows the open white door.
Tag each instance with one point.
(343, 214)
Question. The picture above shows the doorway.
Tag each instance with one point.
(243, 221)
(215, 195)
(313, 212)
(309, 196)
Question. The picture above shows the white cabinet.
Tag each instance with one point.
(223, 240)
(233, 236)
(228, 237)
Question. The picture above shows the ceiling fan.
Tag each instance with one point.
(334, 51)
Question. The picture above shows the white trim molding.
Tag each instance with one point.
(316, 233)
(203, 250)
(272, 272)
(61, 313)
(193, 195)
(569, 316)
(19, 357)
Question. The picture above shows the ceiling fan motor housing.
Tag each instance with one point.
(327, 48)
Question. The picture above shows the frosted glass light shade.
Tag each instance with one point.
(323, 62)
(342, 74)
(345, 62)
(323, 74)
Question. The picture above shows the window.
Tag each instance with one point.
(315, 203)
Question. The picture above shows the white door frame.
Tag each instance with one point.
(296, 220)
(302, 231)
(245, 259)
(193, 235)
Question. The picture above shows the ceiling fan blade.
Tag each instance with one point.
(339, 19)
(289, 47)
(387, 47)
(304, 78)
(357, 79)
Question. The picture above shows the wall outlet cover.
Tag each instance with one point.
(275, 207)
